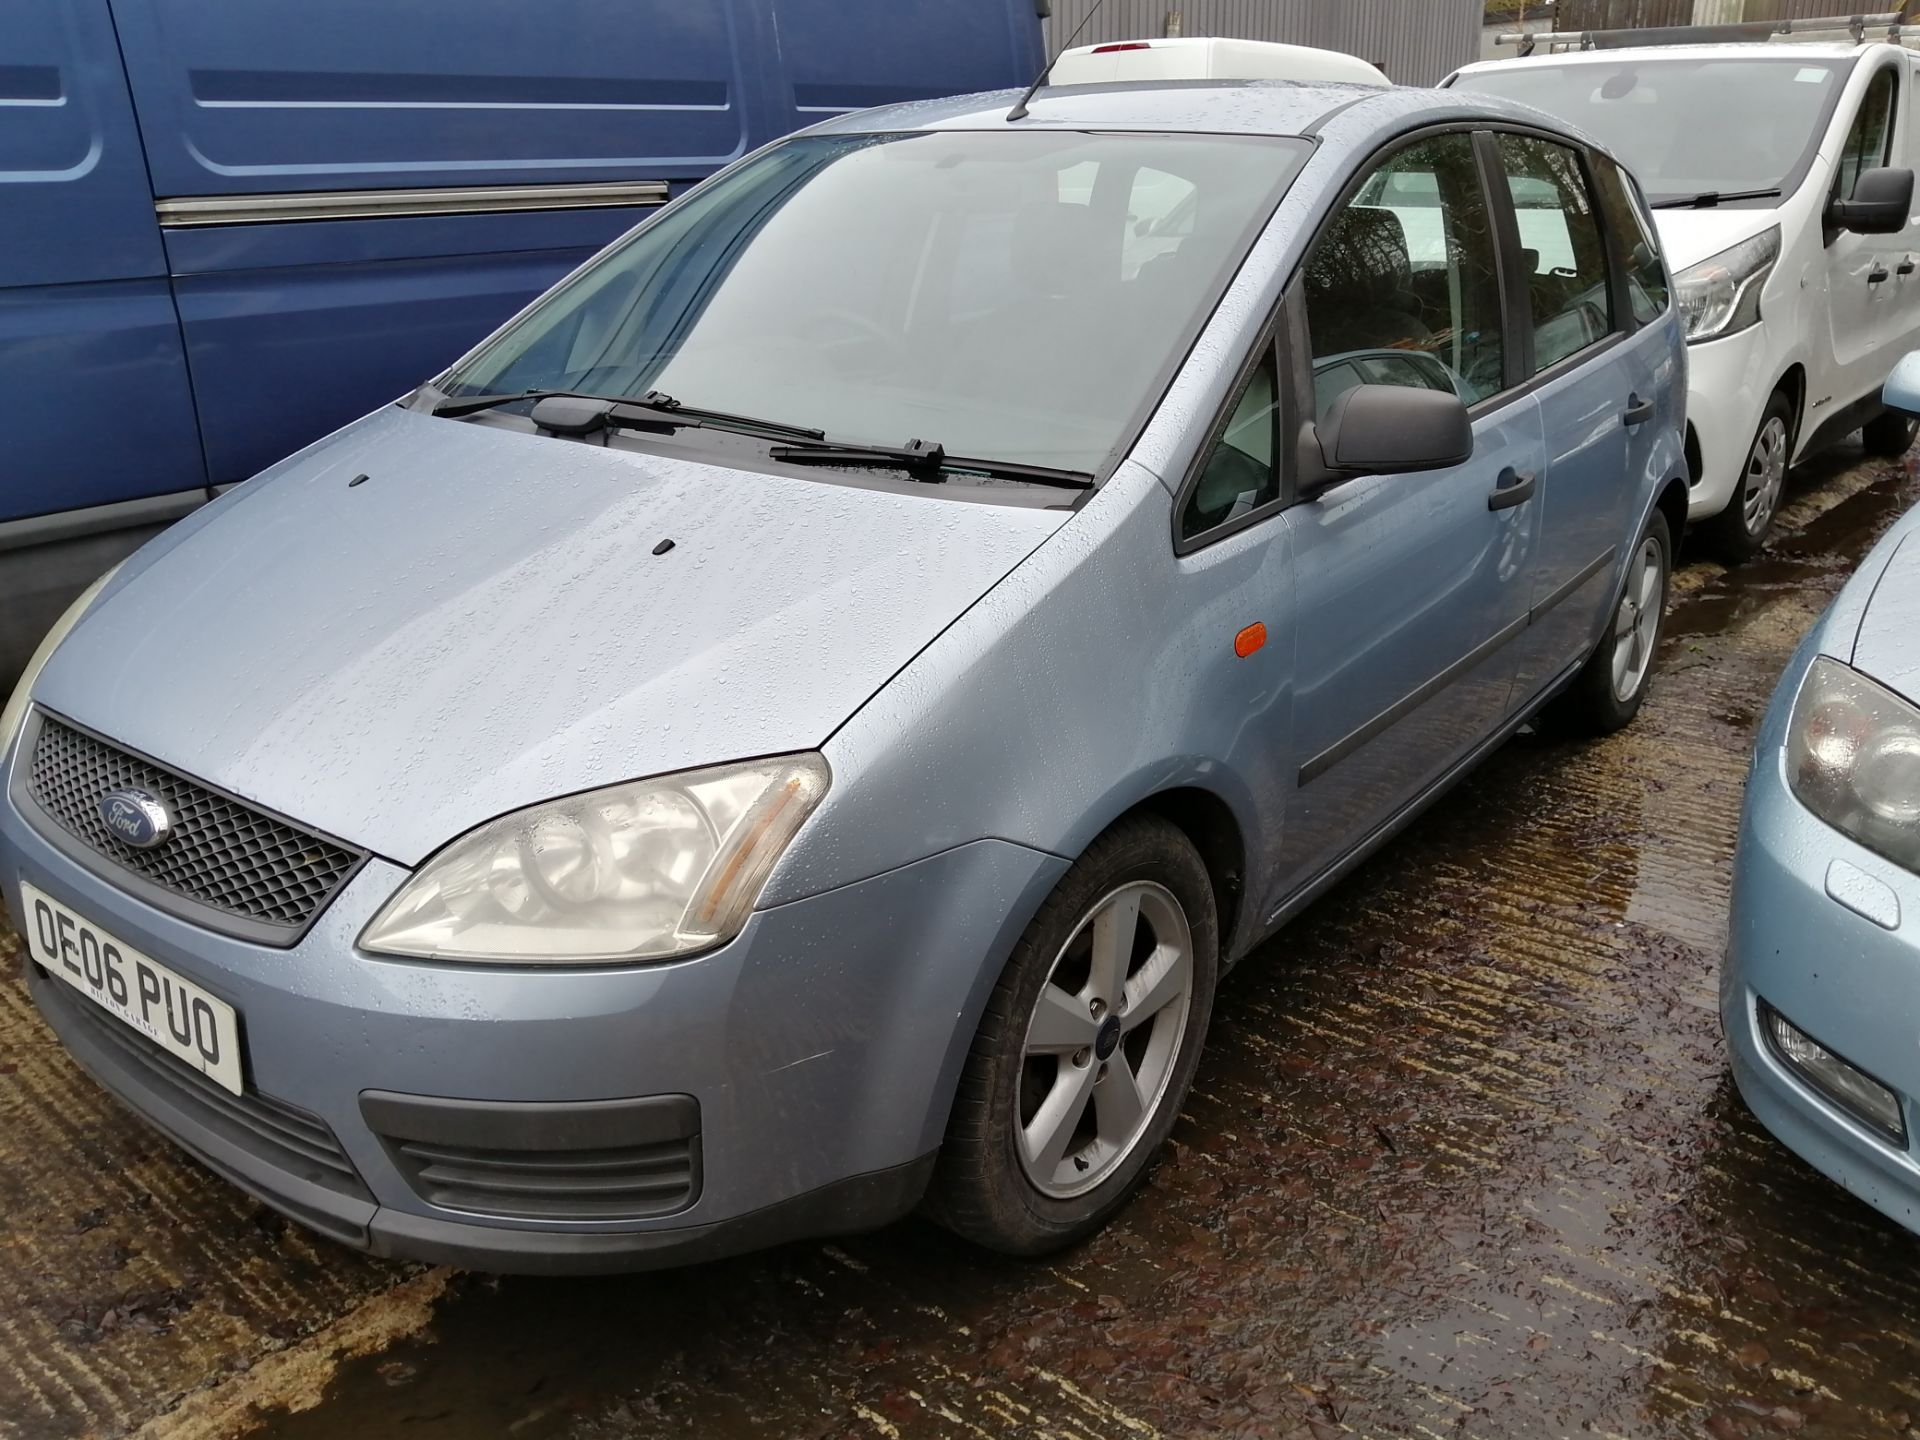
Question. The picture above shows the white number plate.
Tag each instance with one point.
(167, 1008)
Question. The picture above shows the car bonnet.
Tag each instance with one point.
(491, 619)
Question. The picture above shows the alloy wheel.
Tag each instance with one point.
(1636, 625)
(1103, 1039)
(1766, 475)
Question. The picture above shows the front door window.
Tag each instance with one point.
(1403, 287)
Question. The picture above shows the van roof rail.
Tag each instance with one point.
(1860, 28)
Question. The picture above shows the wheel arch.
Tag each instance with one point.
(1672, 503)
(1793, 384)
(1210, 824)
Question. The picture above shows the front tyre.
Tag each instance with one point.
(1087, 1048)
(1611, 686)
(1737, 532)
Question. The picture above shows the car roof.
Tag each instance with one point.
(1218, 107)
(1736, 50)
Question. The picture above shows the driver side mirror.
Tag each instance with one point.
(1881, 202)
(1387, 430)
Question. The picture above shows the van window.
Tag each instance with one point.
(1639, 245)
(1403, 287)
(1563, 257)
(1689, 125)
(1870, 141)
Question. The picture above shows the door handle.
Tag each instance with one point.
(1905, 267)
(1877, 274)
(1638, 411)
(1511, 489)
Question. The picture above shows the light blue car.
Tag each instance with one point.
(794, 726)
(1820, 993)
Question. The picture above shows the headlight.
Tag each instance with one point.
(1853, 759)
(642, 871)
(15, 715)
(1721, 295)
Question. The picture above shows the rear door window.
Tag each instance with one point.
(1563, 256)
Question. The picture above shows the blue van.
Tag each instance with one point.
(226, 230)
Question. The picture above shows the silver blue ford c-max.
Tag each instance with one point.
(793, 727)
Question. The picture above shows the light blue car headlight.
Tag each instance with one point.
(15, 713)
(1853, 759)
(647, 870)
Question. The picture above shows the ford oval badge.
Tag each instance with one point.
(136, 818)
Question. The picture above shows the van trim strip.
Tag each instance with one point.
(98, 519)
(192, 210)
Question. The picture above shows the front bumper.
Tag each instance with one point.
(1728, 384)
(1846, 979)
(819, 1051)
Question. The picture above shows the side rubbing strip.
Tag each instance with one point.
(1567, 590)
(371, 204)
(1407, 704)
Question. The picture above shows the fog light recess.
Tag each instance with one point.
(1843, 1083)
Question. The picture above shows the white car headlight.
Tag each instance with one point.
(1853, 759)
(15, 715)
(1721, 294)
(642, 871)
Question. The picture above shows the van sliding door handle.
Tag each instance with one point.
(1905, 267)
(1877, 274)
(1638, 411)
(1511, 489)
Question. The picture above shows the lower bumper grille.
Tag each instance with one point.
(588, 1160)
(633, 1184)
(277, 1134)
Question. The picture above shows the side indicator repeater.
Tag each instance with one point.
(1250, 640)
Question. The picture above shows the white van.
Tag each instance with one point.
(1780, 179)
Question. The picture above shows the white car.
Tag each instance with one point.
(1780, 180)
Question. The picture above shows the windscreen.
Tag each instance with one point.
(1688, 126)
(1010, 295)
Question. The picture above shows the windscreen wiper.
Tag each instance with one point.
(570, 412)
(1707, 199)
(929, 462)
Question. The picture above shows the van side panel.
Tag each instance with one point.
(73, 188)
(854, 54)
(295, 329)
(91, 369)
(356, 94)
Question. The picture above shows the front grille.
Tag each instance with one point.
(224, 855)
(636, 1182)
(277, 1134)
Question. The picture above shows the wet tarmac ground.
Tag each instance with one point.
(1463, 1160)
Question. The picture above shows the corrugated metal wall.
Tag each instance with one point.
(1417, 42)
